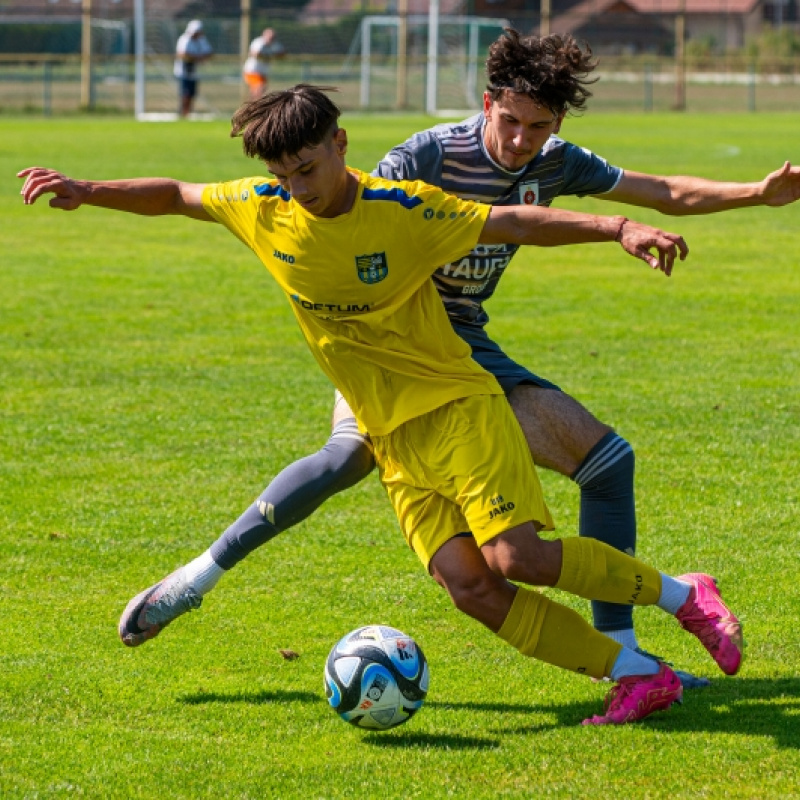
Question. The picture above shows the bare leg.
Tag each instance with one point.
(476, 590)
(565, 437)
(527, 620)
(559, 430)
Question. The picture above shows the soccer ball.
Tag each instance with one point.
(376, 677)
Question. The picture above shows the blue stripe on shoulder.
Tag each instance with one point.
(268, 190)
(392, 195)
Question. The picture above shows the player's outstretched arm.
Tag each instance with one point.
(782, 186)
(657, 248)
(147, 196)
(551, 227)
(681, 195)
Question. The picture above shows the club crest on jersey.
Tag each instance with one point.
(529, 193)
(372, 268)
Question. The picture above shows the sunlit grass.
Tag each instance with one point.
(153, 380)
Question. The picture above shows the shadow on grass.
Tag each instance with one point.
(254, 698)
(501, 717)
(744, 706)
(747, 706)
(408, 739)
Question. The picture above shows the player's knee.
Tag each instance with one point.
(522, 557)
(349, 461)
(359, 462)
(472, 593)
(609, 468)
(507, 560)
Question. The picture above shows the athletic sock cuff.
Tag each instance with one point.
(348, 429)
(575, 557)
(611, 449)
(523, 624)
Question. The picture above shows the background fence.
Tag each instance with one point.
(52, 85)
(41, 67)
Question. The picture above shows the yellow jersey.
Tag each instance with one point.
(360, 287)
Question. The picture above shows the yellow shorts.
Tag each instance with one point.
(464, 467)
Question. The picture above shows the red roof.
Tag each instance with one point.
(718, 7)
(591, 8)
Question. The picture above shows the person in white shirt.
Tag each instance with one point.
(192, 48)
(256, 68)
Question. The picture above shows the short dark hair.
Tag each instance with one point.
(283, 123)
(551, 70)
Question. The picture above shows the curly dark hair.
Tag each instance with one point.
(551, 70)
(282, 123)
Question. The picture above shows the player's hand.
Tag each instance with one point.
(781, 187)
(641, 240)
(68, 194)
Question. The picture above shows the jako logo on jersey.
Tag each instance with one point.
(500, 507)
(332, 307)
(289, 259)
(372, 268)
(529, 193)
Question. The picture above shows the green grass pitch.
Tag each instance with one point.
(152, 380)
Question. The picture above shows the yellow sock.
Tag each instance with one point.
(597, 571)
(553, 633)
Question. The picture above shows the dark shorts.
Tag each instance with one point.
(188, 87)
(489, 355)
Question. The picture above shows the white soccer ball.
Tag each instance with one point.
(376, 677)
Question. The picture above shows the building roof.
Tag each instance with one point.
(333, 7)
(718, 7)
(587, 9)
(583, 12)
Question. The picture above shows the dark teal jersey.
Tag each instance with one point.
(453, 157)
